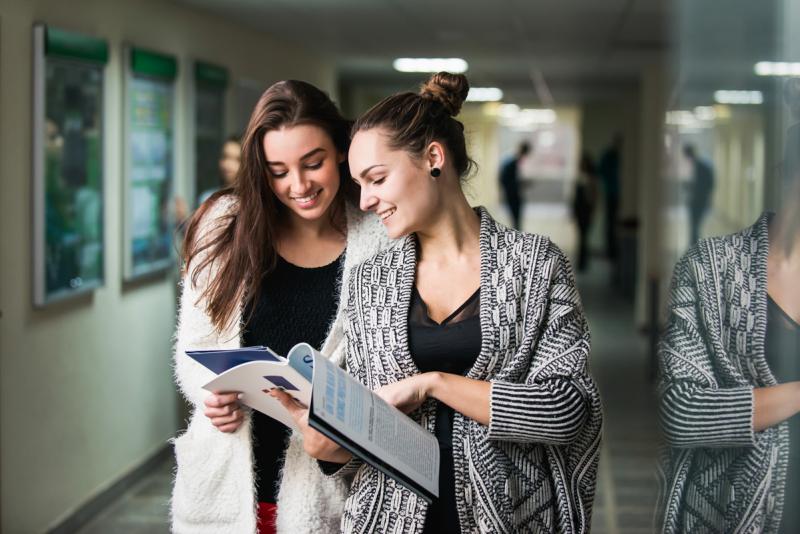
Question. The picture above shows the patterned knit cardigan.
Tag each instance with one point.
(718, 475)
(533, 468)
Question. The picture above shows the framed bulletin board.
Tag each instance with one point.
(210, 86)
(149, 162)
(68, 75)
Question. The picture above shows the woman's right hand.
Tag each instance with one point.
(224, 411)
(315, 444)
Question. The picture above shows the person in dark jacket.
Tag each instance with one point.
(509, 181)
(700, 189)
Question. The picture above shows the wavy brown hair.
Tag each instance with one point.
(243, 247)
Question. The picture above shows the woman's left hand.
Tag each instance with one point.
(408, 394)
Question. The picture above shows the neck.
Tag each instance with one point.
(453, 232)
(297, 227)
(784, 235)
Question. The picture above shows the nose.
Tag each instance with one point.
(367, 201)
(299, 184)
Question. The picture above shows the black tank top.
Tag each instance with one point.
(451, 346)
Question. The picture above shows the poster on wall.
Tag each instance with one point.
(149, 162)
(211, 82)
(68, 74)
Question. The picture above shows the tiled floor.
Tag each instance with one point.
(142, 510)
(626, 490)
(626, 484)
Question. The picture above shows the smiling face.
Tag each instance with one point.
(395, 185)
(303, 169)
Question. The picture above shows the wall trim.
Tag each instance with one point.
(100, 502)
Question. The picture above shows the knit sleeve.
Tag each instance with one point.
(694, 410)
(354, 365)
(551, 405)
(195, 330)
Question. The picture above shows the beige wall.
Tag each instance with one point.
(86, 389)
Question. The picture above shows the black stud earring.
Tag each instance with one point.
(436, 172)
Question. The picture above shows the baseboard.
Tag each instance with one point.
(100, 502)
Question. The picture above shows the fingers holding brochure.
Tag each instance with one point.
(224, 411)
(315, 444)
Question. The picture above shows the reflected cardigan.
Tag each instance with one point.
(717, 474)
(533, 468)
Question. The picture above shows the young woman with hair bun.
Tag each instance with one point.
(485, 340)
(264, 261)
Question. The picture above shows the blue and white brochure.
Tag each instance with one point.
(343, 409)
(254, 371)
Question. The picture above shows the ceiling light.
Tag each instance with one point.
(777, 68)
(705, 113)
(681, 117)
(508, 111)
(484, 94)
(525, 119)
(542, 116)
(738, 97)
(454, 65)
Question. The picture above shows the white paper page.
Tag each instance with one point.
(383, 430)
(253, 378)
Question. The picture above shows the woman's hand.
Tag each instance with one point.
(408, 394)
(315, 444)
(224, 411)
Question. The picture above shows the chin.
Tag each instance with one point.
(396, 232)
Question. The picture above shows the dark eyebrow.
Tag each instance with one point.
(304, 156)
(365, 171)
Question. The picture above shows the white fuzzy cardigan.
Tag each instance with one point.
(214, 488)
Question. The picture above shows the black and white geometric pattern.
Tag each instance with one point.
(717, 474)
(533, 468)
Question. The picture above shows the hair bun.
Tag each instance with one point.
(450, 90)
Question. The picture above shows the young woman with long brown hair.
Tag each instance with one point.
(264, 261)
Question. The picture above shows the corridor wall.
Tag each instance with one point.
(86, 391)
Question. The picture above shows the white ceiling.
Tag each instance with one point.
(580, 49)
(583, 49)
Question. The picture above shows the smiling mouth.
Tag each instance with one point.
(308, 198)
(386, 214)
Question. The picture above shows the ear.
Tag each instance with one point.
(435, 155)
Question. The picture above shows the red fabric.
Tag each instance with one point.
(267, 513)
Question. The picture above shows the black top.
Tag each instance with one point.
(296, 304)
(783, 356)
(451, 346)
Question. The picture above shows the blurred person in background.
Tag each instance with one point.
(584, 200)
(492, 351)
(609, 170)
(509, 181)
(730, 376)
(264, 261)
(230, 158)
(701, 189)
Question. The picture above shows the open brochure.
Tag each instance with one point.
(340, 407)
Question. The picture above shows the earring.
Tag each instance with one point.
(436, 172)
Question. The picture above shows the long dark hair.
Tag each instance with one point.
(244, 246)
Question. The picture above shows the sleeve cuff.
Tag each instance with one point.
(337, 470)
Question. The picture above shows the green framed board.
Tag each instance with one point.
(210, 85)
(149, 162)
(68, 81)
